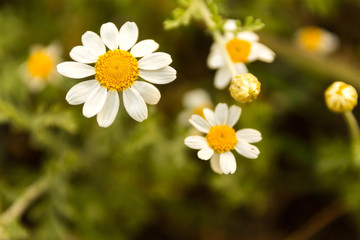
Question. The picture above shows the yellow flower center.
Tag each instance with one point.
(221, 138)
(238, 50)
(310, 38)
(40, 64)
(116, 69)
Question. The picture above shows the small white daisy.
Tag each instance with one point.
(116, 70)
(242, 47)
(221, 138)
(40, 67)
(316, 40)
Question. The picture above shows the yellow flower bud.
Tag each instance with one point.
(341, 97)
(244, 87)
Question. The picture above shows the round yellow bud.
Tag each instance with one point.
(244, 87)
(341, 97)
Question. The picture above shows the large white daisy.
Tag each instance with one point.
(116, 70)
(242, 47)
(221, 138)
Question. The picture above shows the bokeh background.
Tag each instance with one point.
(138, 180)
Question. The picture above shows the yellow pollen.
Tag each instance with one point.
(310, 38)
(221, 138)
(116, 70)
(238, 50)
(40, 64)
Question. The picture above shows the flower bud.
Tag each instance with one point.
(341, 97)
(244, 87)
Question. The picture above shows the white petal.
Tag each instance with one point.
(261, 52)
(205, 153)
(110, 109)
(222, 77)
(128, 35)
(135, 105)
(196, 142)
(247, 150)
(215, 163)
(230, 25)
(248, 36)
(150, 93)
(241, 68)
(199, 123)
(227, 162)
(93, 42)
(221, 114)
(215, 59)
(234, 115)
(75, 70)
(209, 116)
(144, 47)
(83, 55)
(249, 135)
(155, 61)
(110, 35)
(95, 101)
(162, 76)
(79, 93)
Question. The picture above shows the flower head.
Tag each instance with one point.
(116, 69)
(40, 67)
(242, 47)
(316, 40)
(221, 138)
(341, 97)
(245, 87)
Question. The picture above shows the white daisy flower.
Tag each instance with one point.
(221, 138)
(242, 47)
(316, 40)
(40, 67)
(116, 70)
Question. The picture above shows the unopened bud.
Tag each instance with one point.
(341, 97)
(244, 87)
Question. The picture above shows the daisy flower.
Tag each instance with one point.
(316, 40)
(116, 71)
(40, 67)
(221, 138)
(242, 47)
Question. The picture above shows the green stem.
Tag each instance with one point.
(207, 17)
(16, 116)
(355, 136)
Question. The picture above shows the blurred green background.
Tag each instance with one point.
(138, 180)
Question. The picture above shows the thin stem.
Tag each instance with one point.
(21, 204)
(355, 136)
(207, 17)
(318, 221)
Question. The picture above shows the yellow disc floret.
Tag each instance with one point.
(221, 138)
(116, 69)
(310, 38)
(238, 50)
(245, 87)
(40, 64)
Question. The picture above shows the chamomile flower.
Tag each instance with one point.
(316, 40)
(242, 47)
(40, 67)
(221, 138)
(116, 70)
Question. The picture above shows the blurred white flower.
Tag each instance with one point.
(116, 70)
(242, 47)
(40, 67)
(221, 138)
(316, 40)
(194, 102)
